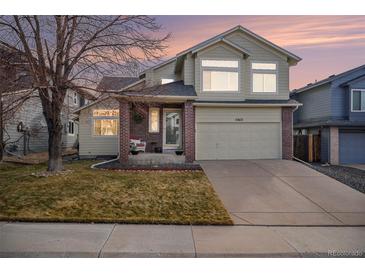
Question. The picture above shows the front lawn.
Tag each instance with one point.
(86, 195)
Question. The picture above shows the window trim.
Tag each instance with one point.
(267, 71)
(149, 120)
(226, 69)
(68, 128)
(351, 102)
(104, 118)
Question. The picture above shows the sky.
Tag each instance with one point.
(327, 44)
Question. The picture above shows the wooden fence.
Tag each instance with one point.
(307, 147)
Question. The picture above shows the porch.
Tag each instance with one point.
(156, 159)
(165, 127)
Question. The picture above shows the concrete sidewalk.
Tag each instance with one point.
(114, 240)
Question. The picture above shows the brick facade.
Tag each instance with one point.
(130, 127)
(189, 132)
(287, 132)
(140, 129)
(124, 126)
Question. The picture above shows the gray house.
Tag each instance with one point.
(335, 108)
(27, 131)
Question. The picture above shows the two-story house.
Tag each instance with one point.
(225, 98)
(335, 108)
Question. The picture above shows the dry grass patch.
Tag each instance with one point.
(86, 195)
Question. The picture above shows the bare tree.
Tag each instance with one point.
(71, 52)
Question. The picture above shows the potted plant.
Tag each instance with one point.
(179, 151)
(133, 149)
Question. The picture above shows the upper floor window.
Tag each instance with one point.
(264, 77)
(74, 98)
(220, 75)
(166, 81)
(358, 100)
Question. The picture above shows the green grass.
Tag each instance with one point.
(86, 195)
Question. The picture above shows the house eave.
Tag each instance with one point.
(154, 98)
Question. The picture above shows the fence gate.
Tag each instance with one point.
(307, 147)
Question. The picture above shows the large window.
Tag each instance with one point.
(154, 120)
(264, 77)
(358, 100)
(105, 122)
(220, 75)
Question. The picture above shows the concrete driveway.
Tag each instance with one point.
(281, 192)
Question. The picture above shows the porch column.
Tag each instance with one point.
(189, 132)
(124, 128)
(287, 132)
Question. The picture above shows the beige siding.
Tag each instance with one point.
(215, 114)
(258, 52)
(153, 77)
(220, 136)
(188, 70)
(261, 52)
(96, 145)
(218, 51)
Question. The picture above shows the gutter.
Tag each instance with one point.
(244, 105)
(155, 96)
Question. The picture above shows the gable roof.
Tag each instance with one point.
(329, 79)
(223, 40)
(354, 80)
(115, 83)
(221, 36)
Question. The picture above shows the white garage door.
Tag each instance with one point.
(238, 133)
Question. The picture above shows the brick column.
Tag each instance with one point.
(334, 146)
(189, 132)
(124, 128)
(287, 132)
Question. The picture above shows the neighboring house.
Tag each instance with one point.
(335, 109)
(25, 129)
(225, 98)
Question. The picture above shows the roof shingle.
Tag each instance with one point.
(110, 83)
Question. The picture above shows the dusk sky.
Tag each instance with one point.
(327, 44)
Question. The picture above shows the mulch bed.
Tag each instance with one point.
(352, 177)
(115, 165)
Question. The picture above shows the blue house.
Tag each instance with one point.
(334, 108)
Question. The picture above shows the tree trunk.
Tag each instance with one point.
(54, 126)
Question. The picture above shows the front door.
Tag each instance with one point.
(172, 128)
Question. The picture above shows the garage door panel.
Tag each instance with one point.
(238, 141)
(222, 115)
(352, 147)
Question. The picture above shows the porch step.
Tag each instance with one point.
(156, 159)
